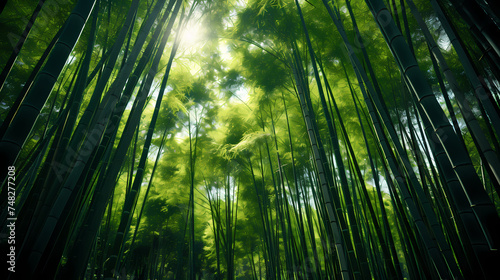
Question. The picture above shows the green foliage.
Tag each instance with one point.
(265, 162)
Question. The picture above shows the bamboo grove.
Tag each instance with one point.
(259, 139)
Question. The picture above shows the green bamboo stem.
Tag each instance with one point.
(29, 110)
(475, 16)
(360, 251)
(308, 114)
(478, 241)
(29, 82)
(131, 199)
(77, 170)
(90, 111)
(394, 269)
(465, 108)
(422, 229)
(478, 199)
(480, 91)
(41, 193)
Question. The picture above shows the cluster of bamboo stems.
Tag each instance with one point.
(423, 205)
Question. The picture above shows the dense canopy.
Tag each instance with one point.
(257, 139)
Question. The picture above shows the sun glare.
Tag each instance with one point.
(192, 34)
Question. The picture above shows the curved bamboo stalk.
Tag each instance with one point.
(462, 166)
(470, 223)
(91, 143)
(429, 241)
(41, 194)
(23, 122)
(385, 221)
(392, 272)
(480, 91)
(337, 236)
(477, 17)
(131, 199)
(105, 186)
(90, 111)
(364, 272)
(465, 108)
(27, 85)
